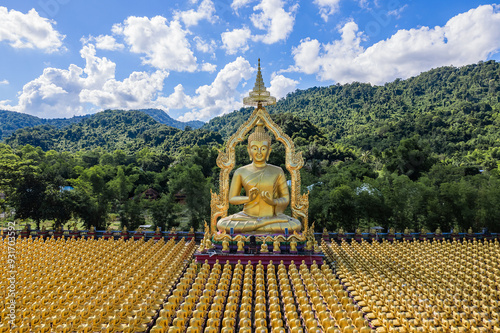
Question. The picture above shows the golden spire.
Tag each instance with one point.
(259, 96)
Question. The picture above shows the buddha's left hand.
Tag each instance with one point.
(266, 196)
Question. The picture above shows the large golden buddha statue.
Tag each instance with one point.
(266, 194)
(266, 190)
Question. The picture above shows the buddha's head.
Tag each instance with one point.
(259, 144)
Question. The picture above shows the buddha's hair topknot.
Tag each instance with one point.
(259, 134)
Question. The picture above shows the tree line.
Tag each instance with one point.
(416, 153)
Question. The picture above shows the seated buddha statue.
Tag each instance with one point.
(266, 190)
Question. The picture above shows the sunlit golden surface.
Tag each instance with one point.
(437, 286)
(91, 285)
(127, 286)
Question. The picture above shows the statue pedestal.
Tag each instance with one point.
(124, 235)
(253, 246)
(43, 234)
(138, 235)
(74, 234)
(212, 256)
(108, 235)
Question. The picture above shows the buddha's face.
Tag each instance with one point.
(259, 150)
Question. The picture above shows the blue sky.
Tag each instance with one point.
(197, 59)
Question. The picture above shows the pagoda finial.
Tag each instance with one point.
(259, 96)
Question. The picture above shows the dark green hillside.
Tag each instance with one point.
(11, 121)
(129, 131)
(162, 117)
(456, 110)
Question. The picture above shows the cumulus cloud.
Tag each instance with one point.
(466, 38)
(204, 46)
(64, 93)
(327, 7)
(107, 42)
(29, 30)
(205, 11)
(237, 4)
(271, 16)
(219, 97)
(165, 45)
(280, 86)
(4, 82)
(236, 40)
(208, 67)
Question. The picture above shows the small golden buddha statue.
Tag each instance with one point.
(266, 190)
(240, 244)
(276, 246)
(341, 231)
(317, 249)
(191, 230)
(438, 231)
(225, 245)
(309, 245)
(407, 231)
(208, 244)
(293, 246)
(264, 248)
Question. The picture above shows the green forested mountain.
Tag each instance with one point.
(11, 121)
(163, 118)
(455, 110)
(417, 153)
(129, 131)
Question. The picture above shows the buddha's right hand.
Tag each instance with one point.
(254, 192)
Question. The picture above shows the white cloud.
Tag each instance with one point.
(206, 11)
(215, 99)
(237, 4)
(4, 82)
(203, 46)
(274, 19)
(64, 93)
(466, 38)
(327, 7)
(397, 12)
(280, 86)
(165, 46)
(106, 42)
(136, 91)
(29, 31)
(236, 40)
(208, 67)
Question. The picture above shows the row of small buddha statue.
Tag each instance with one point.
(399, 285)
(93, 285)
(263, 300)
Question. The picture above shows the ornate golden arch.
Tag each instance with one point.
(299, 203)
